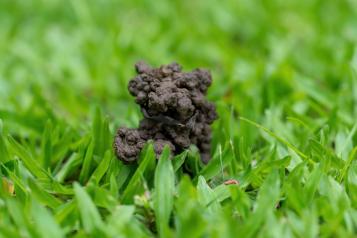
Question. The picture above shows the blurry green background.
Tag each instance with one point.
(75, 54)
(288, 65)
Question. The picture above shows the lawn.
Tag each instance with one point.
(283, 150)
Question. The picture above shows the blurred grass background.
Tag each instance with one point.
(79, 53)
(288, 65)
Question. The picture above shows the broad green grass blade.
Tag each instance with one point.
(164, 191)
(207, 197)
(31, 164)
(351, 158)
(102, 168)
(189, 211)
(43, 196)
(63, 212)
(351, 181)
(221, 192)
(134, 183)
(87, 163)
(241, 201)
(45, 222)
(312, 184)
(20, 218)
(178, 160)
(101, 134)
(122, 223)
(90, 217)
(73, 163)
(267, 200)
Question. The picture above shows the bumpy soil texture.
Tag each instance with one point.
(176, 112)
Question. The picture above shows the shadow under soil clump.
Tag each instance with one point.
(176, 112)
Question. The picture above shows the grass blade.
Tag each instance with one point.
(87, 162)
(281, 140)
(102, 168)
(206, 196)
(178, 160)
(348, 164)
(47, 146)
(164, 190)
(90, 216)
(43, 196)
(217, 163)
(45, 222)
(31, 164)
(4, 154)
(134, 183)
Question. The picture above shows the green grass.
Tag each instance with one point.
(285, 85)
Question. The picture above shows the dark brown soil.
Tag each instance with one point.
(176, 112)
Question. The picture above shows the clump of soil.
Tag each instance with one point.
(176, 112)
